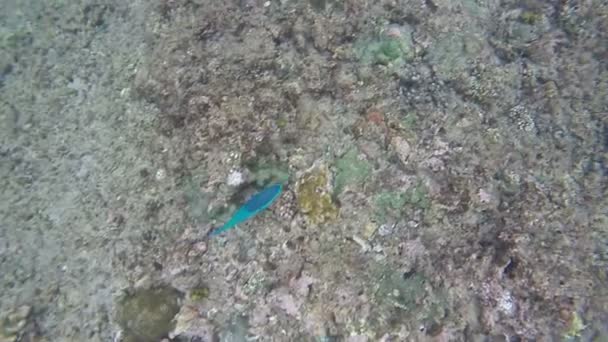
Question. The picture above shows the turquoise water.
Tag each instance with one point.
(445, 167)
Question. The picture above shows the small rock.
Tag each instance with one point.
(506, 304)
(302, 285)
(143, 282)
(160, 174)
(402, 147)
(198, 248)
(282, 299)
(393, 30)
(488, 198)
(345, 79)
(14, 323)
(386, 229)
(190, 324)
(21, 313)
(378, 249)
(365, 246)
(260, 315)
(369, 230)
(434, 164)
(320, 37)
(376, 117)
(87, 164)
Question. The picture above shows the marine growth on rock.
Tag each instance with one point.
(147, 315)
(314, 199)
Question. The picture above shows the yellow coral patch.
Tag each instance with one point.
(314, 199)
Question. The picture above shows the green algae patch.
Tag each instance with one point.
(409, 121)
(147, 315)
(318, 5)
(314, 197)
(409, 297)
(418, 196)
(393, 47)
(388, 204)
(392, 203)
(402, 292)
(351, 170)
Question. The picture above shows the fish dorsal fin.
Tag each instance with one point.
(263, 199)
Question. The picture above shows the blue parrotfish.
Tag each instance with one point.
(252, 207)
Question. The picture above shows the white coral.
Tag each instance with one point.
(235, 178)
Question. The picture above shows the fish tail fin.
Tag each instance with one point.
(213, 232)
(218, 230)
